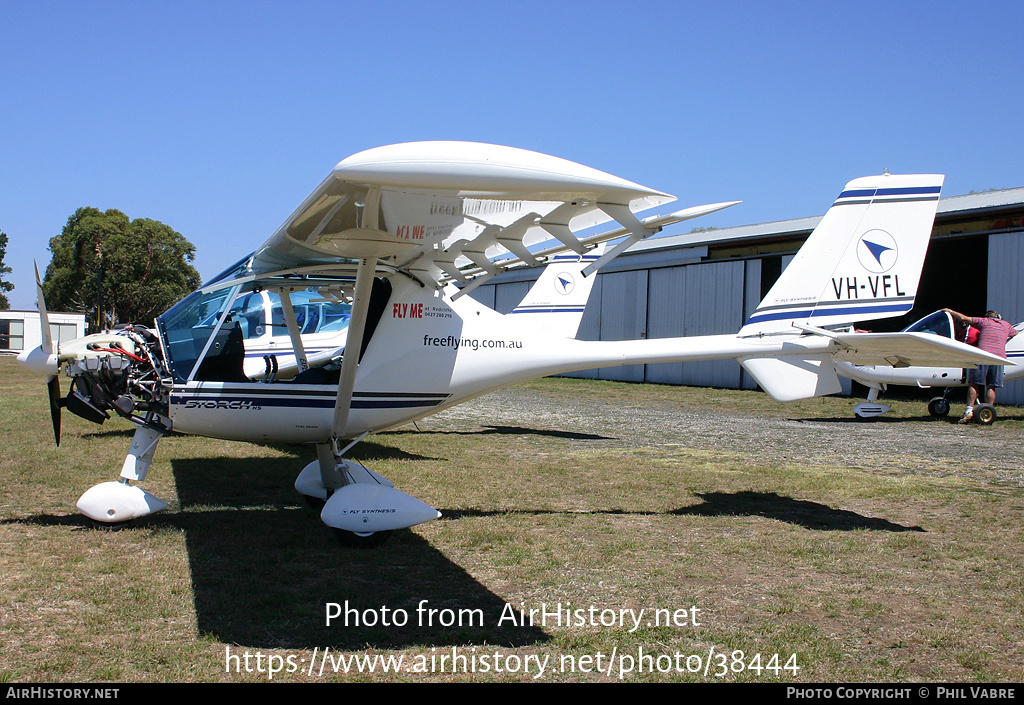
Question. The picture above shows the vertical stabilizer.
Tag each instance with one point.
(862, 262)
(558, 298)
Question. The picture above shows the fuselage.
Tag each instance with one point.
(426, 354)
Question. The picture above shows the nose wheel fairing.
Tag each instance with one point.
(115, 502)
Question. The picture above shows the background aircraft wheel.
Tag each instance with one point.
(985, 414)
(938, 407)
(370, 540)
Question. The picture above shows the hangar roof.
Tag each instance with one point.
(950, 206)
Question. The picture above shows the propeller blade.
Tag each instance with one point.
(44, 318)
(53, 381)
(42, 359)
(53, 388)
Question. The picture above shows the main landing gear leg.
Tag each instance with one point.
(116, 502)
(360, 505)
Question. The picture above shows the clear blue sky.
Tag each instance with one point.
(218, 118)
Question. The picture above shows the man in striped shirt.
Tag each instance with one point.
(993, 332)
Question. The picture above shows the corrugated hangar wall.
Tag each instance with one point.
(636, 298)
(659, 302)
(1006, 293)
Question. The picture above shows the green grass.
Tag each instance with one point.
(866, 573)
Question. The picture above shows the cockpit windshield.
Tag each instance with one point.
(233, 272)
(186, 328)
(937, 323)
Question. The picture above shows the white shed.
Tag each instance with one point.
(19, 330)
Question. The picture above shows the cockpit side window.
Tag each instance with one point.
(252, 318)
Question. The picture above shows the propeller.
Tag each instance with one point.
(44, 359)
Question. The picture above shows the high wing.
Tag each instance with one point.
(444, 211)
(450, 211)
(904, 349)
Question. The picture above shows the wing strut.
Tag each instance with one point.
(373, 244)
(354, 343)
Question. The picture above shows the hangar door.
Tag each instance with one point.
(705, 299)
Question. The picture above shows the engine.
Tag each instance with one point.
(120, 371)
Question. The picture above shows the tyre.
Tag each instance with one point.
(939, 407)
(985, 414)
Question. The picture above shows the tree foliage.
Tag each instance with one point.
(4, 286)
(116, 270)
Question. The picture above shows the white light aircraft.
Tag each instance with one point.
(878, 378)
(402, 234)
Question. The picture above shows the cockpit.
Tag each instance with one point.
(237, 328)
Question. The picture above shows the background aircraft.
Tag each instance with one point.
(941, 323)
(322, 323)
(403, 233)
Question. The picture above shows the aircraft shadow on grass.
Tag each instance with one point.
(264, 570)
(811, 515)
(263, 576)
(855, 421)
(109, 433)
(512, 431)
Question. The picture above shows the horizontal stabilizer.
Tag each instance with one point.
(791, 378)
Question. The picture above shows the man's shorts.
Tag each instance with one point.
(987, 375)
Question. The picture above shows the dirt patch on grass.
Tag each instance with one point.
(821, 431)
